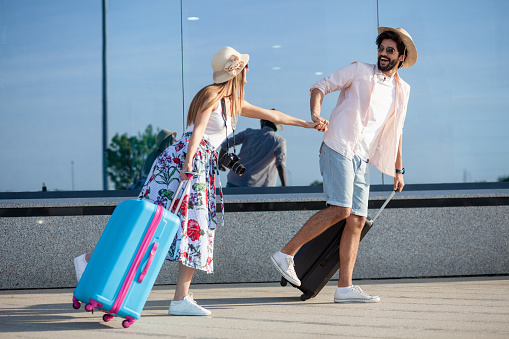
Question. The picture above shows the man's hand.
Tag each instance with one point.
(399, 183)
(322, 123)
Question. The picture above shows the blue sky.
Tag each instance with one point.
(50, 79)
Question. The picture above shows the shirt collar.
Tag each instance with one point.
(379, 72)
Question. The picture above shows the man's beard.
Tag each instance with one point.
(390, 65)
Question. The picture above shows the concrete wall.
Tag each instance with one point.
(413, 237)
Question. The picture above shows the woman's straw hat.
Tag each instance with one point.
(227, 63)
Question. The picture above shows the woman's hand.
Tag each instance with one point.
(183, 174)
(321, 123)
(311, 124)
(275, 116)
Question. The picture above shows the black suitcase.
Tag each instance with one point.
(318, 260)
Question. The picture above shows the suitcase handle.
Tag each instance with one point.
(187, 188)
(383, 206)
(149, 262)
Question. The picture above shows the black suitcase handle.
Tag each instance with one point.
(383, 206)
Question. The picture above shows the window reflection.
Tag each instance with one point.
(50, 79)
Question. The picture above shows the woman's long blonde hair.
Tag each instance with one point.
(233, 88)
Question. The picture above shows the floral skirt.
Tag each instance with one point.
(194, 243)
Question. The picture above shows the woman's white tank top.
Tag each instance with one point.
(216, 131)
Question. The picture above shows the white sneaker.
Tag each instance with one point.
(187, 306)
(285, 266)
(355, 295)
(80, 264)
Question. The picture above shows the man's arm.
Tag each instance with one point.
(398, 177)
(282, 174)
(315, 104)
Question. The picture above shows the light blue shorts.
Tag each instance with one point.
(345, 182)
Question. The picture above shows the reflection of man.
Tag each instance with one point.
(365, 127)
(163, 139)
(263, 154)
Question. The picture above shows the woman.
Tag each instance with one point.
(211, 118)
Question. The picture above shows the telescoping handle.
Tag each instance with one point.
(383, 206)
(186, 189)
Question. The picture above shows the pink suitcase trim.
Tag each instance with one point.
(137, 260)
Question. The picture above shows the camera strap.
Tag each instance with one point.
(223, 107)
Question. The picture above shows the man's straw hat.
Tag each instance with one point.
(411, 57)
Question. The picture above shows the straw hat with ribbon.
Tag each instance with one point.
(411, 56)
(227, 63)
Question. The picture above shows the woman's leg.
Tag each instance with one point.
(80, 263)
(184, 278)
(187, 306)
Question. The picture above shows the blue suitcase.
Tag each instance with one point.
(127, 259)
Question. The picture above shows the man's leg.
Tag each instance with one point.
(348, 248)
(315, 226)
(338, 181)
(349, 245)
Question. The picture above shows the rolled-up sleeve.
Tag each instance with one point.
(338, 80)
(280, 153)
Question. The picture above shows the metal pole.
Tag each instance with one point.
(377, 15)
(182, 63)
(105, 96)
(72, 174)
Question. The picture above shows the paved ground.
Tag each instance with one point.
(410, 308)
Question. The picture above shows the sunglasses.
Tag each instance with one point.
(389, 50)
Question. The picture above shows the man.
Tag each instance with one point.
(365, 127)
(263, 154)
(163, 139)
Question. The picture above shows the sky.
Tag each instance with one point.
(51, 96)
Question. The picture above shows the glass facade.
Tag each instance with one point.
(158, 57)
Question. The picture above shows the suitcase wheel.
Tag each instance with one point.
(89, 308)
(128, 322)
(304, 297)
(283, 282)
(108, 317)
(75, 303)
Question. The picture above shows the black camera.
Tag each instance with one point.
(231, 161)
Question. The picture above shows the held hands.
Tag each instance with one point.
(320, 123)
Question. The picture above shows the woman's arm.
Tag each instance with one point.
(200, 124)
(252, 111)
